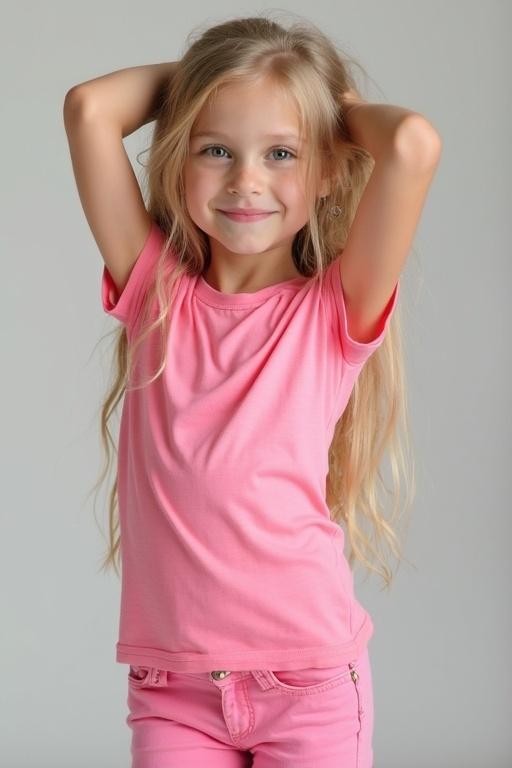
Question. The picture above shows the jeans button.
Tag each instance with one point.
(220, 674)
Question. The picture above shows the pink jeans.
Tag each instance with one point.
(308, 718)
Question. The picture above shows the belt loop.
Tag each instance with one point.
(158, 676)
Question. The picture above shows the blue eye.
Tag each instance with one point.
(217, 146)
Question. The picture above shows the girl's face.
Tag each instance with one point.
(245, 152)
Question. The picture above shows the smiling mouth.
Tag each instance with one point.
(246, 217)
(247, 211)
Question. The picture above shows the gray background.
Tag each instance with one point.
(441, 670)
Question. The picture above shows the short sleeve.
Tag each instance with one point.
(126, 307)
(354, 352)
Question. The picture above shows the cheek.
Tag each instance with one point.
(296, 202)
(291, 186)
(195, 194)
(199, 186)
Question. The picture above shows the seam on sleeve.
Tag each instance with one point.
(356, 352)
(125, 306)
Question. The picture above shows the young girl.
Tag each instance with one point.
(263, 380)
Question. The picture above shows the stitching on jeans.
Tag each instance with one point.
(341, 679)
(250, 709)
(359, 708)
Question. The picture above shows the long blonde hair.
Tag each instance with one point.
(308, 66)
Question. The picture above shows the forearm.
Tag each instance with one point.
(128, 97)
(379, 128)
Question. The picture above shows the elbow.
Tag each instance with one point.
(418, 142)
(77, 103)
(72, 104)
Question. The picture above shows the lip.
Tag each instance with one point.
(246, 211)
(245, 215)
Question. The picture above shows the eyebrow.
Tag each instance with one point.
(278, 136)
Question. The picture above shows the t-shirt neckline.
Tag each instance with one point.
(243, 299)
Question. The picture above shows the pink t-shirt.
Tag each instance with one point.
(229, 558)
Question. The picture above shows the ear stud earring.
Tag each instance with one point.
(335, 210)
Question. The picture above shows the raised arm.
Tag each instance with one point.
(406, 149)
(98, 114)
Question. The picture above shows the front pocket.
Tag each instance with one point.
(310, 680)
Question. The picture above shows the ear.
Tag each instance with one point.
(325, 187)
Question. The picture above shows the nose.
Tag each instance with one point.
(245, 180)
